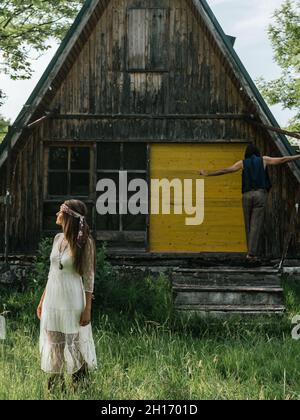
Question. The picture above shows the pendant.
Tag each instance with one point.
(61, 266)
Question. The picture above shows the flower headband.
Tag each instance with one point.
(81, 238)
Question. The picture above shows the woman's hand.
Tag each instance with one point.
(39, 311)
(40, 307)
(85, 317)
(203, 172)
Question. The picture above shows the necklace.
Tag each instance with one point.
(60, 254)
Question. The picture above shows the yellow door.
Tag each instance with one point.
(223, 227)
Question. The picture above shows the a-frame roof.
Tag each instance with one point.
(44, 85)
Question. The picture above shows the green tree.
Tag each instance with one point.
(4, 124)
(2, 97)
(27, 25)
(284, 34)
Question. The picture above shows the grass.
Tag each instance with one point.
(154, 362)
(146, 352)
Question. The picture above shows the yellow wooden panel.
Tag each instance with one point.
(223, 227)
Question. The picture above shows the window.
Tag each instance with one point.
(111, 159)
(148, 40)
(69, 175)
(69, 172)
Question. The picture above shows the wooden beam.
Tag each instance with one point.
(123, 236)
(37, 122)
(275, 129)
(150, 116)
(61, 141)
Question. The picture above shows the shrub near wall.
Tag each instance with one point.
(132, 293)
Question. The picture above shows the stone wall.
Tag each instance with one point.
(15, 272)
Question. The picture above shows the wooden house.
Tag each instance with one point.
(155, 88)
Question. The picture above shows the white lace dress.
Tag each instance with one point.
(63, 342)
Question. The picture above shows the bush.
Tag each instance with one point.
(132, 293)
(39, 274)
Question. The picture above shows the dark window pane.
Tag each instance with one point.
(114, 178)
(80, 158)
(108, 222)
(134, 223)
(49, 218)
(58, 158)
(80, 184)
(58, 184)
(131, 177)
(109, 156)
(135, 156)
(137, 175)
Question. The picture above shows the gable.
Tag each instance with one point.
(142, 60)
(89, 73)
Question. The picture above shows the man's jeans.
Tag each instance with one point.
(254, 204)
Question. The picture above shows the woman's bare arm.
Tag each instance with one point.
(40, 307)
(87, 313)
(234, 168)
(88, 281)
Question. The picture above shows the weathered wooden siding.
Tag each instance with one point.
(26, 183)
(192, 79)
(100, 98)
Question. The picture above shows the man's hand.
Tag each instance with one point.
(85, 318)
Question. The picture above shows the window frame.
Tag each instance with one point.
(144, 172)
(69, 171)
(115, 239)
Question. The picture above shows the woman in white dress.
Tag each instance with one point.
(66, 339)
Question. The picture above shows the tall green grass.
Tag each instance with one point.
(146, 352)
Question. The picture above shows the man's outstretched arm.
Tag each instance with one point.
(234, 168)
(280, 161)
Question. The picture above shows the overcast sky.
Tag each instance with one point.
(247, 20)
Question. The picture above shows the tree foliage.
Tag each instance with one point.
(284, 34)
(4, 124)
(27, 25)
(2, 97)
